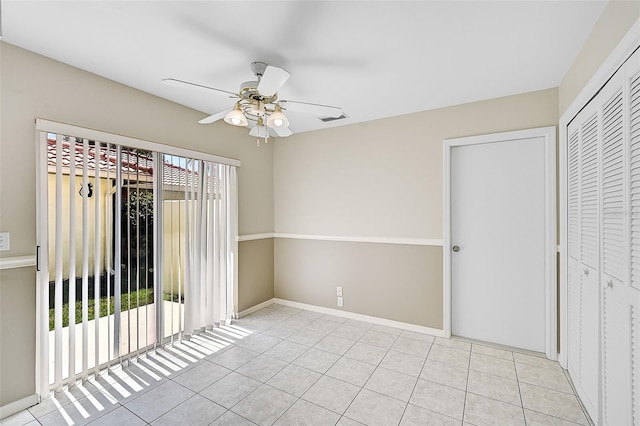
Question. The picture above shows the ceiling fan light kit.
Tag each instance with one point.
(277, 119)
(235, 117)
(258, 106)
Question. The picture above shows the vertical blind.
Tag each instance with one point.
(210, 235)
(141, 250)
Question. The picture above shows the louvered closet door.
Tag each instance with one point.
(603, 198)
(589, 260)
(613, 279)
(633, 248)
(573, 287)
(583, 239)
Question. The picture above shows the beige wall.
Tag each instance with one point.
(379, 179)
(383, 178)
(17, 334)
(33, 86)
(382, 280)
(255, 271)
(615, 21)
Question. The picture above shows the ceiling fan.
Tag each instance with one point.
(258, 106)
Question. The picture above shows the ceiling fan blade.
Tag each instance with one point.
(215, 117)
(180, 83)
(272, 80)
(314, 109)
(281, 132)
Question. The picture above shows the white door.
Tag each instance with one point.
(497, 201)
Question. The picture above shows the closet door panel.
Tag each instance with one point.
(614, 279)
(633, 297)
(634, 170)
(573, 194)
(589, 339)
(590, 136)
(615, 354)
(589, 194)
(573, 323)
(613, 203)
(635, 359)
(584, 255)
(574, 272)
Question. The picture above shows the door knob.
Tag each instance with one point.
(455, 248)
(586, 272)
(609, 283)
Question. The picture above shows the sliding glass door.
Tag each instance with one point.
(136, 248)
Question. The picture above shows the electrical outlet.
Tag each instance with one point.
(339, 291)
(4, 241)
(340, 302)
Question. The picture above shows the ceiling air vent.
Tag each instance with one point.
(327, 119)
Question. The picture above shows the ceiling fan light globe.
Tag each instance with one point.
(235, 117)
(277, 119)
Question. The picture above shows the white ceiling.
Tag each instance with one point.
(374, 59)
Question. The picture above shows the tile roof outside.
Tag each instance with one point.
(134, 165)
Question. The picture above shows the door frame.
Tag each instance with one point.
(551, 306)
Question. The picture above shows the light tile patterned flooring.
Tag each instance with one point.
(286, 366)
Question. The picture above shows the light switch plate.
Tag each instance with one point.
(4, 241)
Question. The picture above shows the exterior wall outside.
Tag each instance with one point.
(380, 179)
(104, 186)
(173, 214)
(34, 86)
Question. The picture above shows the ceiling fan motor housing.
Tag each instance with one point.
(252, 102)
(258, 68)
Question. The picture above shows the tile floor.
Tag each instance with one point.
(286, 366)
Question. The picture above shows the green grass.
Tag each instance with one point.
(136, 299)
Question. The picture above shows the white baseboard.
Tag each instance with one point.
(16, 406)
(361, 317)
(256, 308)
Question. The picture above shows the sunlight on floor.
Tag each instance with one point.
(136, 375)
